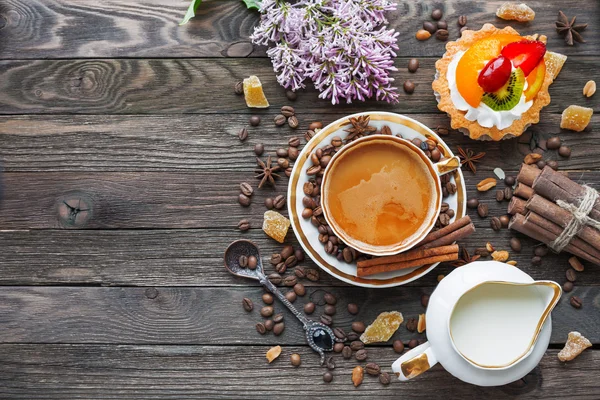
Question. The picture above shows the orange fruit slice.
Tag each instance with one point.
(535, 79)
(473, 61)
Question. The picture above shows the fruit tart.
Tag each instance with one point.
(494, 82)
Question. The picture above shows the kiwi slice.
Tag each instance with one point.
(508, 95)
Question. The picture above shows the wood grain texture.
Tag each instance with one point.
(133, 143)
(186, 372)
(111, 29)
(195, 257)
(215, 315)
(151, 86)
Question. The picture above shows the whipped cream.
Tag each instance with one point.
(483, 114)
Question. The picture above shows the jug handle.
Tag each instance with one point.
(414, 362)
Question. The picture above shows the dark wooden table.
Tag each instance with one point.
(113, 104)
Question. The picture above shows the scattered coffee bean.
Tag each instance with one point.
(329, 309)
(536, 260)
(553, 143)
(267, 298)
(541, 164)
(413, 343)
(462, 20)
(281, 268)
(246, 189)
(309, 308)
(372, 369)
(327, 377)
(442, 35)
(442, 130)
(482, 210)
(385, 378)
(567, 286)
(358, 326)
(278, 328)
(269, 203)
(275, 278)
(576, 264)
(260, 328)
(293, 122)
(499, 195)
(576, 302)
(413, 65)
(510, 180)
(312, 274)
(279, 120)
(515, 244)
(248, 305)
(361, 355)
(504, 220)
(279, 202)
(472, 203)
(299, 289)
(291, 261)
(444, 219)
(411, 324)
(244, 200)
(552, 164)
(294, 141)
(252, 262)
(326, 319)
(276, 258)
(357, 345)
(339, 333)
(243, 134)
(329, 299)
(437, 14)
(571, 275)
(288, 111)
(338, 347)
(409, 87)
(430, 27)
(425, 300)
(255, 120)
(442, 25)
(496, 224)
(269, 324)
(266, 311)
(398, 346)
(347, 352)
(291, 296)
(315, 125)
(259, 149)
(283, 163)
(352, 308)
(508, 193)
(281, 152)
(330, 363)
(291, 95)
(300, 272)
(540, 251)
(564, 151)
(352, 336)
(243, 261)
(277, 318)
(239, 87)
(244, 225)
(295, 359)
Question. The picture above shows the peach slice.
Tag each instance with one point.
(473, 61)
(535, 80)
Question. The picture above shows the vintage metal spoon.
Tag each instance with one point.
(319, 336)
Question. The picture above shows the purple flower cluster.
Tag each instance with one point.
(341, 45)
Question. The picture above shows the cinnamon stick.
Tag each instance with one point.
(524, 191)
(556, 186)
(413, 254)
(527, 174)
(459, 223)
(516, 206)
(519, 223)
(451, 237)
(561, 217)
(406, 264)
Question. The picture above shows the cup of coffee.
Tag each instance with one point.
(381, 194)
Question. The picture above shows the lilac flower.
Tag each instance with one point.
(342, 46)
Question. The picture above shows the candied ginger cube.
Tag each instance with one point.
(518, 12)
(276, 225)
(576, 343)
(576, 118)
(382, 329)
(253, 93)
(554, 63)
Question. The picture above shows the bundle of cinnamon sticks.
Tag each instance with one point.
(438, 246)
(536, 212)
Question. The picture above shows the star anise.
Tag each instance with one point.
(266, 173)
(465, 258)
(569, 29)
(470, 158)
(360, 128)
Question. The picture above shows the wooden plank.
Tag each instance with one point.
(82, 29)
(182, 372)
(132, 86)
(131, 143)
(195, 257)
(215, 315)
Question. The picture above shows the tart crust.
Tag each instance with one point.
(457, 117)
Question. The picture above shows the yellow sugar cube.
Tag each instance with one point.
(253, 93)
(276, 225)
(576, 118)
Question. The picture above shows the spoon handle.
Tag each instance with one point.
(273, 289)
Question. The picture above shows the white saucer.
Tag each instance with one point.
(307, 234)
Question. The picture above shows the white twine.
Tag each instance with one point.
(579, 220)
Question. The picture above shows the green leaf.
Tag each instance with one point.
(191, 11)
(252, 4)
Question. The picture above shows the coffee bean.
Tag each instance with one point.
(325, 161)
(444, 219)
(564, 151)
(541, 164)
(291, 95)
(281, 268)
(347, 254)
(281, 153)
(259, 149)
(238, 88)
(246, 189)
(496, 224)
(291, 261)
(536, 260)
(276, 259)
(286, 252)
(278, 328)
(338, 347)
(308, 135)
(571, 275)
(347, 352)
(315, 125)
(482, 252)
(499, 195)
(553, 143)
(425, 300)
(244, 225)
(567, 286)
(398, 346)
(243, 134)
(243, 261)
(312, 274)
(339, 333)
(329, 309)
(279, 120)
(330, 363)
(411, 324)
(552, 164)
(326, 319)
(295, 359)
(576, 264)
(266, 311)
(309, 308)
(352, 308)
(255, 120)
(472, 203)
(413, 343)
(430, 27)
(260, 328)
(515, 244)
(275, 278)
(482, 210)
(247, 303)
(510, 180)
(413, 65)
(277, 318)
(283, 163)
(504, 220)
(358, 326)
(462, 20)
(288, 111)
(409, 87)
(293, 122)
(269, 203)
(508, 193)
(294, 141)
(279, 202)
(327, 377)
(442, 25)
(329, 299)
(540, 251)
(252, 262)
(352, 336)
(576, 302)
(372, 369)
(267, 298)
(385, 378)
(437, 14)
(357, 345)
(361, 355)
(299, 289)
(290, 281)
(442, 35)
(244, 200)
(269, 324)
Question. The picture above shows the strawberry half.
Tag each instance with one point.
(525, 54)
(495, 74)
